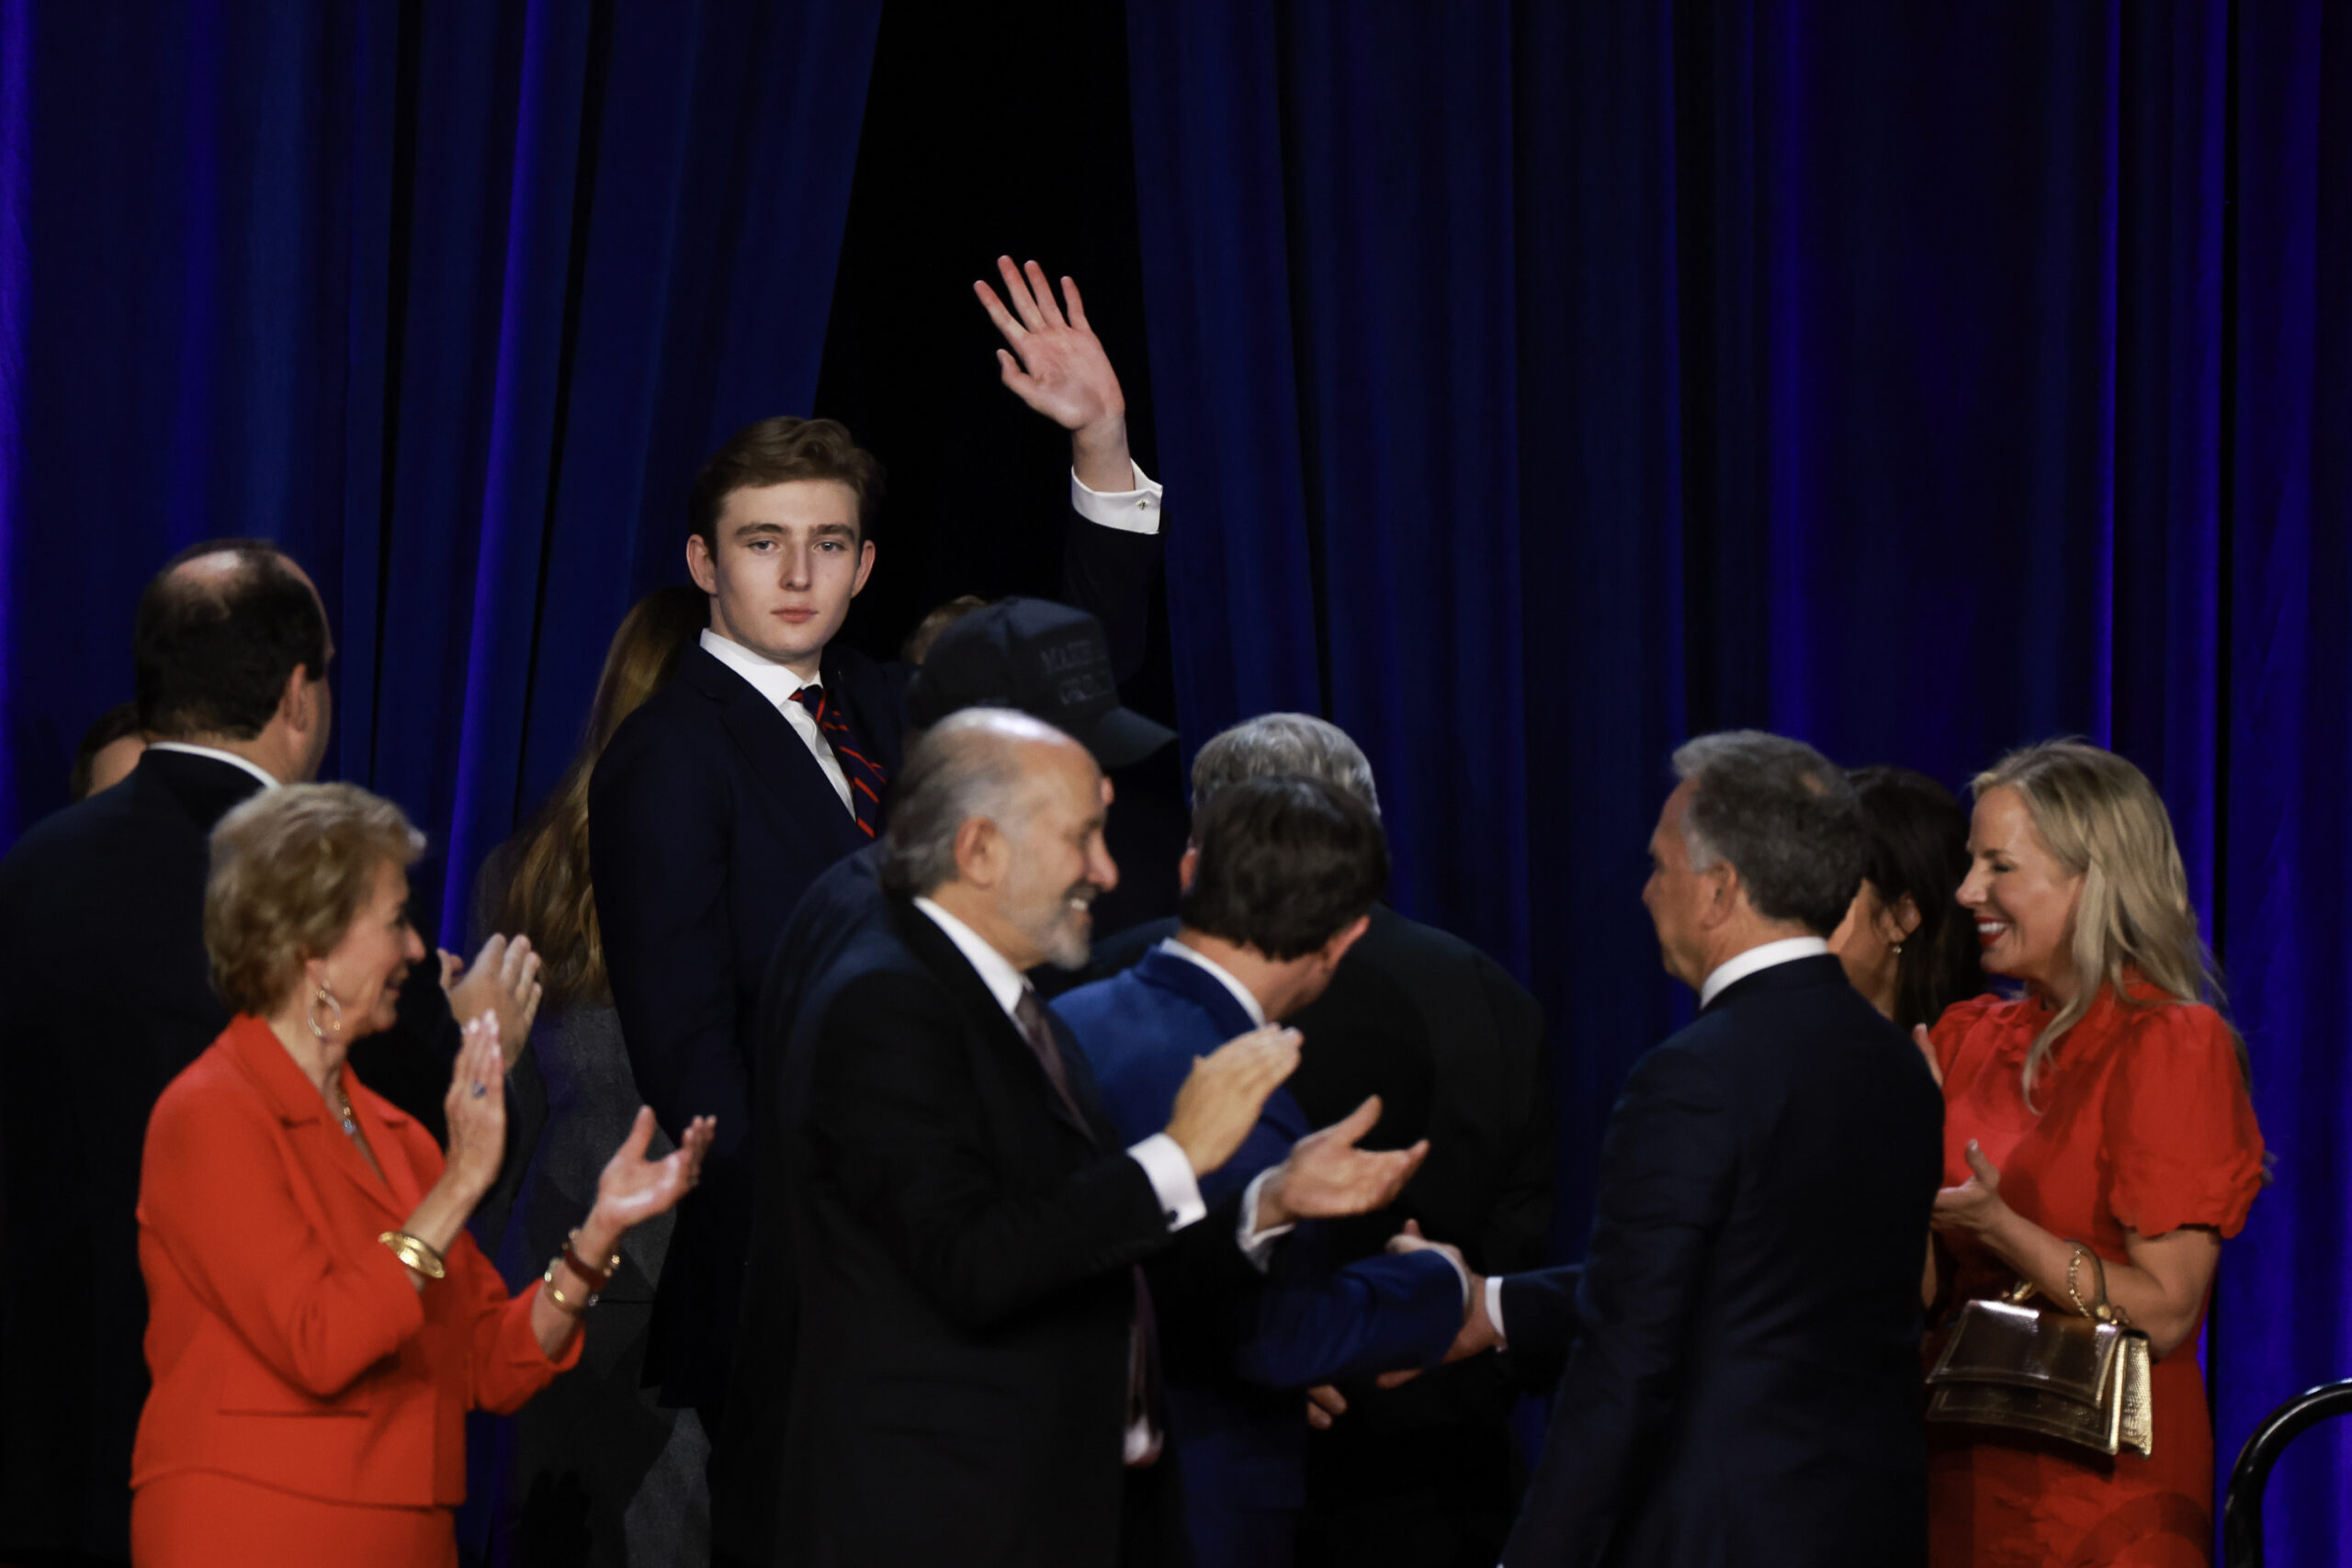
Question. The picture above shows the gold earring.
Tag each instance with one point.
(326, 996)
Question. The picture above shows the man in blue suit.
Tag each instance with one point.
(1278, 883)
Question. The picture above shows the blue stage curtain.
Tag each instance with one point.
(450, 299)
(1921, 381)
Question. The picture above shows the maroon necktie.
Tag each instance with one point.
(1143, 1339)
(866, 778)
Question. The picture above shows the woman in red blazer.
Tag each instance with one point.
(319, 1322)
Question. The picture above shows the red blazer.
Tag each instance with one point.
(286, 1344)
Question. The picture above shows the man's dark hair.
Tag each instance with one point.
(118, 723)
(1287, 864)
(212, 650)
(1785, 818)
(776, 451)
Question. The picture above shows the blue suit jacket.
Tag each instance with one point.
(1235, 1363)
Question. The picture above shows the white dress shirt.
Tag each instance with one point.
(267, 779)
(1163, 1161)
(1133, 510)
(1740, 966)
(776, 683)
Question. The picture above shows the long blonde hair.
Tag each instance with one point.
(2101, 819)
(549, 895)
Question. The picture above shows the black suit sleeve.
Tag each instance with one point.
(1540, 1323)
(1668, 1172)
(893, 1109)
(1110, 573)
(659, 852)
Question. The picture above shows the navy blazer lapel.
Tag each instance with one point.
(777, 756)
(933, 947)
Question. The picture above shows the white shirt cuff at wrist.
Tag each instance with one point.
(1171, 1178)
(1258, 1245)
(1495, 1308)
(1133, 510)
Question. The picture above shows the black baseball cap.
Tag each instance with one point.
(1046, 659)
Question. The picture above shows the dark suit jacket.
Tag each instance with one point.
(709, 818)
(1236, 1362)
(1455, 1047)
(938, 1330)
(106, 995)
(1744, 1388)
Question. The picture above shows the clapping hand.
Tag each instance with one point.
(1327, 1176)
(633, 1189)
(1222, 1096)
(504, 980)
(475, 1107)
(1975, 1204)
(1056, 365)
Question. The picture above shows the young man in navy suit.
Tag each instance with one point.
(1278, 886)
(767, 757)
(1742, 1344)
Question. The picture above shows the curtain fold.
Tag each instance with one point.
(1919, 382)
(449, 301)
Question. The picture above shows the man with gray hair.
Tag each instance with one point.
(1741, 1346)
(1455, 1048)
(946, 1334)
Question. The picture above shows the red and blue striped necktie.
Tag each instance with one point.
(867, 777)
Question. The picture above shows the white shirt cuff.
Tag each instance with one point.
(1171, 1176)
(1495, 1307)
(1258, 1245)
(1133, 510)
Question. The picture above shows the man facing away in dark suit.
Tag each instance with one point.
(767, 757)
(106, 995)
(953, 1359)
(1742, 1380)
(1455, 1048)
(1278, 887)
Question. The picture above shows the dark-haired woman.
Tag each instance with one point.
(1907, 946)
(598, 1474)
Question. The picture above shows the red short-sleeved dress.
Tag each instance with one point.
(2145, 1125)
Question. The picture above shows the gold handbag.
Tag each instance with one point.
(2081, 1379)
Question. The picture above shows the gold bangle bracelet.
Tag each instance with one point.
(564, 1304)
(417, 1253)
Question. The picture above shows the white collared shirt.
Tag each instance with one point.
(1163, 1161)
(777, 683)
(1133, 510)
(1241, 993)
(1740, 966)
(268, 781)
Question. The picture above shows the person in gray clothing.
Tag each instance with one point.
(596, 1472)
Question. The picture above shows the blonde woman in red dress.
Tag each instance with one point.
(2107, 1107)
